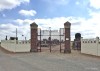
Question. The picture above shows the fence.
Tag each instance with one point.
(90, 46)
(50, 39)
(20, 46)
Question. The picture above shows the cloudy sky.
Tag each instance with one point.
(84, 16)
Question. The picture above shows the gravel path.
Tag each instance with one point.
(46, 61)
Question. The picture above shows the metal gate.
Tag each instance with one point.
(51, 39)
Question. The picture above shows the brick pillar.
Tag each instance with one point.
(67, 37)
(34, 36)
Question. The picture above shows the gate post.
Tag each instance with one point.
(67, 37)
(34, 38)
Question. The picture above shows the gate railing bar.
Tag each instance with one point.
(50, 39)
(40, 40)
(51, 35)
(60, 40)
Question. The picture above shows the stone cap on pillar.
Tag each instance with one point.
(67, 24)
(33, 25)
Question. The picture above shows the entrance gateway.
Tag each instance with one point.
(50, 39)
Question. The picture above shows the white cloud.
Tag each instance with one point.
(27, 12)
(10, 4)
(11, 31)
(89, 28)
(95, 4)
(55, 23)
(95, 21)
(5, 30)
(24, 29)
(23, 22)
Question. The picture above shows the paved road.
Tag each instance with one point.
(46, 61)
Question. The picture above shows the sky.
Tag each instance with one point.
(84, 16)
